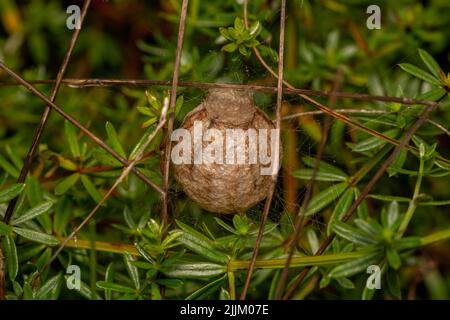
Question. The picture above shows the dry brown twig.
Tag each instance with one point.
(84, 83)
(173, 98)
(276, 165)
(309, 190)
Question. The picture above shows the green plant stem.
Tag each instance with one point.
(234, 265)
(120, 248)
(413, 203)
(436, 237)
(232, 285)
(299, 261)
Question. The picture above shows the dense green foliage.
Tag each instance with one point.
(125, 252)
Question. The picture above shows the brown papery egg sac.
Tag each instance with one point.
(227, 186)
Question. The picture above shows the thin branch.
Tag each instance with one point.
(343, 111)
(233, 265)
(82, 83)
(73, 121)
(439, 126)
(359, 111)
(44, 117)
(277, 149)
(173, 99)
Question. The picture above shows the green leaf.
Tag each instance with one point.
(63, 212)
(368, 293)
(225, 225)
(224, 32)
(11, 192)
(325, 167)
(352, 234)
(398, 163)
(50, 287)
(255, 28)
(342, 206)
(244, 51)
(393, 282)
(128, 218)
(239, 24)
(66, 184)
(313, 241)
(200, 244)
(419, 73)
(10, 251)
(306, 174)
(407, 243)
(34, 191)
(429, 61)
(435, 203)
(224, 294)
(87, 292)
(179, 104)
(241, 224)
(114, 287)
(144, 253)
(14, 156)
(28, 293)
(392, 214)
(362, 211)
(71, 136)
(388, 198)
(141, 142)
(194, 270)
(153, 101)
(66, 163)
(345, 283)
(367, 228)
(432, 95)
(114, 140)
(33, 212)
(109, 276)
(5, 229)
(374, 142)
(230, 47)
(8, 167)
(132, 270)
(325, 197)
(91, 189)
(37, 236)
(212, 286)
(393, 258)
(170, 283)
(351, 268)
(146, 111)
